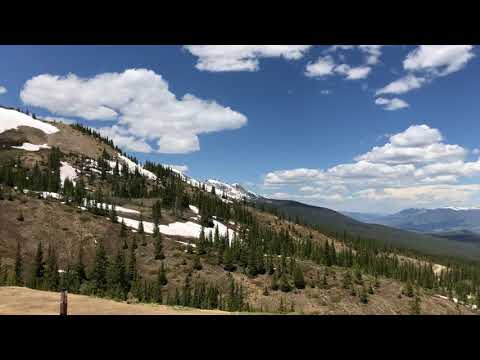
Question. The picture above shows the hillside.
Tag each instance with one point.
(146, 233)
(334, 222)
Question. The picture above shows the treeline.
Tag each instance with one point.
(46, 178)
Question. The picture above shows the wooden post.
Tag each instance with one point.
(63, 302)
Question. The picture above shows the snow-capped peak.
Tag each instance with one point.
(234, 191)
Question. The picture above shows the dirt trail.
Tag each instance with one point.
(24, 301)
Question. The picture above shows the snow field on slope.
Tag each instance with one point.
(184, 229)
(31, 147)
(12, 119)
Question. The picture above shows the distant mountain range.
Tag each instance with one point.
(450, 244)
(456, 223)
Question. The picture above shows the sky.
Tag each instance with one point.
(366, 128)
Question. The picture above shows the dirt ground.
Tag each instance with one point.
(24, 301)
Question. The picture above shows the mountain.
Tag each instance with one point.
(234, 191)
(142, 232)
(335, 222)
(364, 217)
(440, 220)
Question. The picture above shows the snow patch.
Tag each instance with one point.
(194, 209)
(132, 166)
(31, 147)
(184, 229)
(67, 171)
(12, 119)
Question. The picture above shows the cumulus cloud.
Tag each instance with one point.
(353, 73)
(141, 105)
(438, 59)
(217, 58)
(3, 90)
(430, 61)
(391, 104)
(372, 52)
(403, 85)
(325, 66)
(122, 138)
(414, 167)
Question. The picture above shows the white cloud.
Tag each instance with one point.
(414, 167)
(416, 135)
(325, 92)
(430, 61)
(438, 59)
(124, 140)
(355, 73)
(402, 85)
(372, 52)
(324, 66)
(391, 154)
(392, 104)
(140, 103)
(292, 176)
(218, 58)
(3, 90)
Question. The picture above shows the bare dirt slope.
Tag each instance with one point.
(24, 301)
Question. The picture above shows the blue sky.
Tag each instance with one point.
(294, 121)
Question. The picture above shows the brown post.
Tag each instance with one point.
(63, 302)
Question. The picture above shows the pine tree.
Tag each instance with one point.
(18, 269)
(99, 273)
(38, 268)
(140, 230)
(197, 265)
(285, 284)
(132, 266)
(299, 280)
(80, 274)
(162, 277)
(52, 277)
(274, 285)
(113, 214)
(228, 260)
(159, 247)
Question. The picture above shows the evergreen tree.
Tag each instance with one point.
(298, 278)
(38, 267)
(52, 277)
(99, 273)
(197, 265)
(285, 284)
(162, 277)
(228, 260)
(18, 268)
(274, 285)
(159, 247)
(132, 266)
